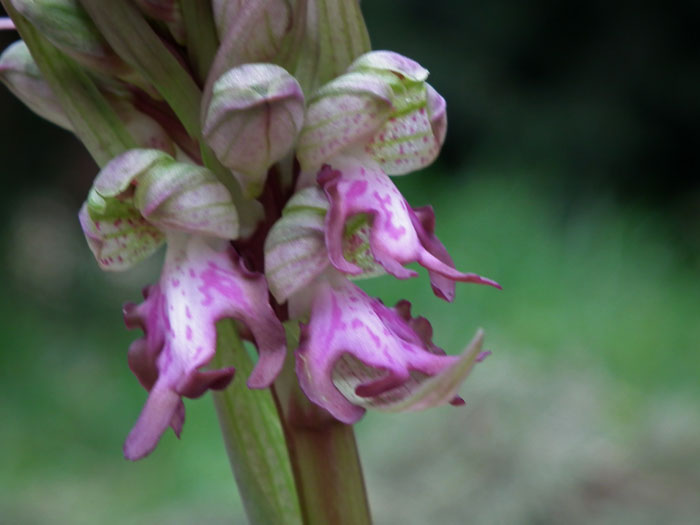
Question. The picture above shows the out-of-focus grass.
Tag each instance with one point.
(587, 412)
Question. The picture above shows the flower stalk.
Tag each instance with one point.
(254, 439)
(323, 453)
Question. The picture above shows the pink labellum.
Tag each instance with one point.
(355, 353)
(397, 235)
(198, 287)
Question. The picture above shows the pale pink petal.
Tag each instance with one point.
(199, 286)
(355, 353)
(397, 236)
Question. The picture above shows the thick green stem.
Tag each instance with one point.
(324, 455)
(254, 439)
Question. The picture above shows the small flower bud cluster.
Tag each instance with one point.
(271, 200)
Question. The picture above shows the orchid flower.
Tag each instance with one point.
(379, 119)
(355, 353)
(139, 200)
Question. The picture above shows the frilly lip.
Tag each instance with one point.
(198, 287)
(357, 354)
(398, 234)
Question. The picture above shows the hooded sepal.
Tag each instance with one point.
(199, 285)
(255, 114)
(295, 250)
(381, 107)
(355, 353)
(142, 193)
(395, 234)
(118, 236)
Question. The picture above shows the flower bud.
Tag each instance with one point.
(382, 107)
(143, 193)
(20, 74)
(254, 31)
(254, 117)
(67, 26)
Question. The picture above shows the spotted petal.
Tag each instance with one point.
(395, 239)
(120, 237)
(199, 286)
(356, 353)
(382, 107)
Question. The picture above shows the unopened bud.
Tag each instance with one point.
(20, 74)
(253, 120)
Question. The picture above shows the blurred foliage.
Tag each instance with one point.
(585, 413)
(569, 175)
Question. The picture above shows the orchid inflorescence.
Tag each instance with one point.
(265, 166)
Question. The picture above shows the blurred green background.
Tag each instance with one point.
(570, 175)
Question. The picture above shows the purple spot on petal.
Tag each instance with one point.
(357, 189)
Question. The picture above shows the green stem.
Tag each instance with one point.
(254, 439)
(323, 453)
